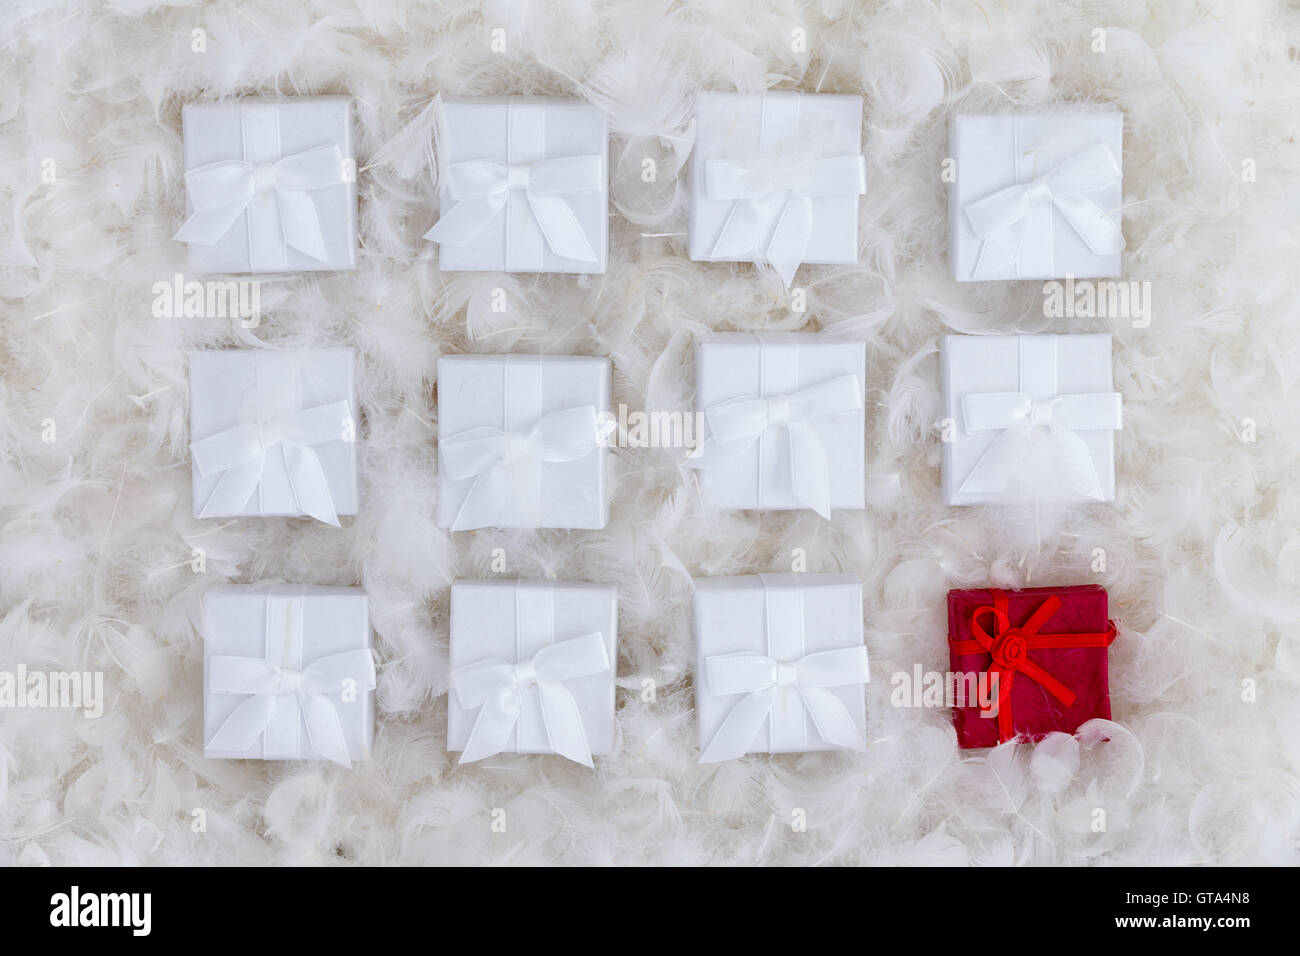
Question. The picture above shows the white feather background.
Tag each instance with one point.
(1202, 545)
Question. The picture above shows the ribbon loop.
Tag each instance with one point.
(497, 688)
(239, 455)
(736, 424)
(220, 193)
(1001, 219)
(480, 188)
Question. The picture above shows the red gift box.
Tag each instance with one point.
(1040, 652)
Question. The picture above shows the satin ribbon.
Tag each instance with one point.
(481, 188)
(279, 698)
(1001, 219)
(1038, 439)
(221, 192)
(736, 424)
(239, 455)
(506, 465)
(498, 688)
(771, 195)
(1008, 648)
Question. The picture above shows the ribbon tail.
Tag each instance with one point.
(1001, 250)
(484, 502)
(1076, 471)
(810, 476)
(739, 728)
(245, 724)
(325, 729)
(206, 226)
(233, 489)
(492, 727)
(789, 242)
(311, 490)
(1101, 233)
(300, 223)
(464, 220)
(1002, 460)
(560, 227)
(832, 719)
(739, 235)
(564, 727)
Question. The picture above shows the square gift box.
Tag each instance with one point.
(775, 179)
(270, 185)
(785, 426)
(1037, 195)
(1028, 662)
(273, 433)
(522, 184)
(1030, 418)
(521, 441)
(532, 669)
(287, 673)
(780, 664)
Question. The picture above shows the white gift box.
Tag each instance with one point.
(780, 664)
(783, 421)
(270, 185)
(521, 441)
(1029, 418)
(273, 433)
(775, 179)
(287, 673)
(523, 185)
(1037, 195)
(532, 669)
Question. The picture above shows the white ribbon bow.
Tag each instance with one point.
(498, 688)
(272, 687)
(763, 191)
(763, 680)
(239, 455)
(491, 456)
(1001, 219)
(220, 192)
(480, 189)
(736, 424)
(1037, 440)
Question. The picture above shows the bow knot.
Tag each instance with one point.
(787, 674)
(778, 410)
(497, 687)
(736, 424)
(1010, 650)
(1001, 220)
(518, 177)
(264, 177)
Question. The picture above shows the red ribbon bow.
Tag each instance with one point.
(1009, 649)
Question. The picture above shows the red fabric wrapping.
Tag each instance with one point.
(1050, 642)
